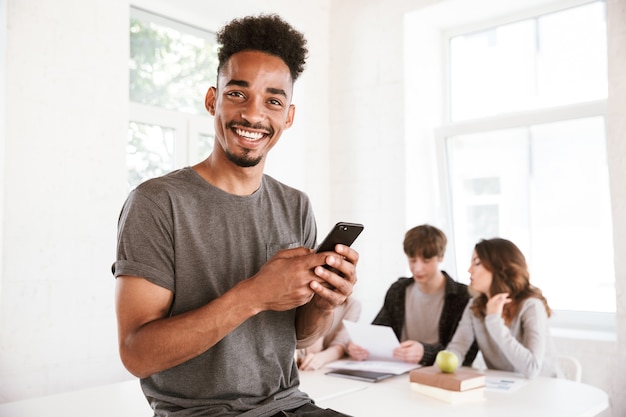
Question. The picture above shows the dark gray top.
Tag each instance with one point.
(185, 235)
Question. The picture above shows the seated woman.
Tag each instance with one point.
(508, 317)
(333, 345)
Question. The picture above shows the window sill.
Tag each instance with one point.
(584, 334)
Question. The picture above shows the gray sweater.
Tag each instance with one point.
(524, 346)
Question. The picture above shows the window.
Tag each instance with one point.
(171, 67)
(525, 150)
(546, 61)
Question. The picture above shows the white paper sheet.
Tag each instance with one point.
(503, 384)
(380, 341)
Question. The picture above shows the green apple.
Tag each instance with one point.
(446, 361)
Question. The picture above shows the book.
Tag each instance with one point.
(361, 375)
(462, 379)
(449, 396)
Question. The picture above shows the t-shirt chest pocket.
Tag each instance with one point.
(272, 248)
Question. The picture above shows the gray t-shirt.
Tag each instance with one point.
(422, 314)
(185, 235)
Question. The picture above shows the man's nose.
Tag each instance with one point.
(253, 111)
(418, 265)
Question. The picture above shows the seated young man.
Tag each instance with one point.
(423, 310)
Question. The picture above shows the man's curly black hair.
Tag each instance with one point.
(265, 33)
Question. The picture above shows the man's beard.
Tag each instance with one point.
(243, 160)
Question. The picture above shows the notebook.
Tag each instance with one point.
(369, 376)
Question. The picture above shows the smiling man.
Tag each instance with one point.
(217, 282)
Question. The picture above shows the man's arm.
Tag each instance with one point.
(151, 341)
(430, 353)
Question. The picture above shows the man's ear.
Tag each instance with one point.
(290, 115)
(209, 100)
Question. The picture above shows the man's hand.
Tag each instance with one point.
(284, 282)
(329, 288)
(409, 351)
(332, 289)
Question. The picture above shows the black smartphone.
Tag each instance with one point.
(343, 232)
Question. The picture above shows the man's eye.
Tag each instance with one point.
(234, 94)
(275, 102)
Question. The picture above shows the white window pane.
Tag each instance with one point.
(572, 52)
(488, 183)
(545, 188)
(552, 60)
(492, 71)
(571, 231)
(205, 145)
(149, 153)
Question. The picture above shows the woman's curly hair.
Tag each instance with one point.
(266, 33)
(506, 262)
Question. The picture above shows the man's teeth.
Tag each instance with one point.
(249, 135)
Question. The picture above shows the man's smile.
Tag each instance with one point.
(253, 136)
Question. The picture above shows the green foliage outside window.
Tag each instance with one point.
(170, 69)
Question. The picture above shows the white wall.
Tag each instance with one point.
(64, 168)
(63, 179)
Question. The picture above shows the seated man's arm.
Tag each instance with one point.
(430, 353)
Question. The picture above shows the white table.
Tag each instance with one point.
(124, 399)
(540, 397)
